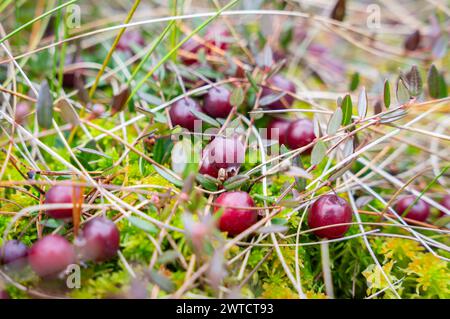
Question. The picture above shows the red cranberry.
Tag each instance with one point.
(14, 254)
(278, 127)
(330, 210)
(208, 168)
(234, 220)
(129, 38)
(217, 102)
(300, 133)
(180, 113)
(4, 295)
(225, 152)
(61, 194)
(420, 211)
(101, 239)
(191, 46)
(217, 35)
(51, 255)
(446, 203)
(284, 85)
(22, 111)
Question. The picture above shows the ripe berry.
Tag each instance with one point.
(225, 152)
(217, 102)
(420, 211)
(100, 239)
(62, 194)
(278, 129)
(208, 168)
(330, 210)
(51, 255)
(4, 295)
(14, 254)
(180, 113)
(284, 85)
(446, 203)
(129, 38)
(300, 133)
(191, 46)
(234, 220)
(217, 35)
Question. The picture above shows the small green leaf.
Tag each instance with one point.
(362, 103)
(335, 122)
(433, 82)
(143, 225)
(237, 96)
(44, 107)
(161, 281)
(354, 81)
(318, 153)
(347, 110)
(168, 177)
(235, 182)
(209, 183)
(403, 95)
(268, 99)
(443, 91)
(387, 94)
(252, 80)
(414, 81)
(204, 117)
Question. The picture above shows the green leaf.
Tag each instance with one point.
(204, 117)
(237, 96)
(252, 80)
(335, 122)
(414, 81)
(362, 103)
(347, 110)
(268, 99)
(443, 91)
(387, 94)
(161, 281)
(235, 182)
(44, 107)
(354, 82)
(402, 93)
(169, 177)
(207, 182)
(143, 225)
(433, 82)
(318, 153)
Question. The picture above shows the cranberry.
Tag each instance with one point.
(217, 34)
(234, 220)
(284, 85)
(51, 255)
(208, 168)
(129, 38)
(217, 102)
(278, 127)
(419, 211)
(101, 239)
(300, 133)
(14, 253)
(446, 203)
(70, 76)
(4, 295)
(61, 194)
(180, 113)
(330, 210)
(225, 152)
(191, 46)
(22, 111)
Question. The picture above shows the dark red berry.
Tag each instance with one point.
(419, 211)
(225, 152)
(217, 35)
(180, 113)
(330, 210)
(446, 203)
(128, 39)
(235, 220)
(300, 133)
(100, 239)
(190, 47)
(4, 295)
(284, 85)
(62, 194)
(217, 102)
(51, 255)
(71, 75)
(208, 168)
(278, 129)
(14, 254)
